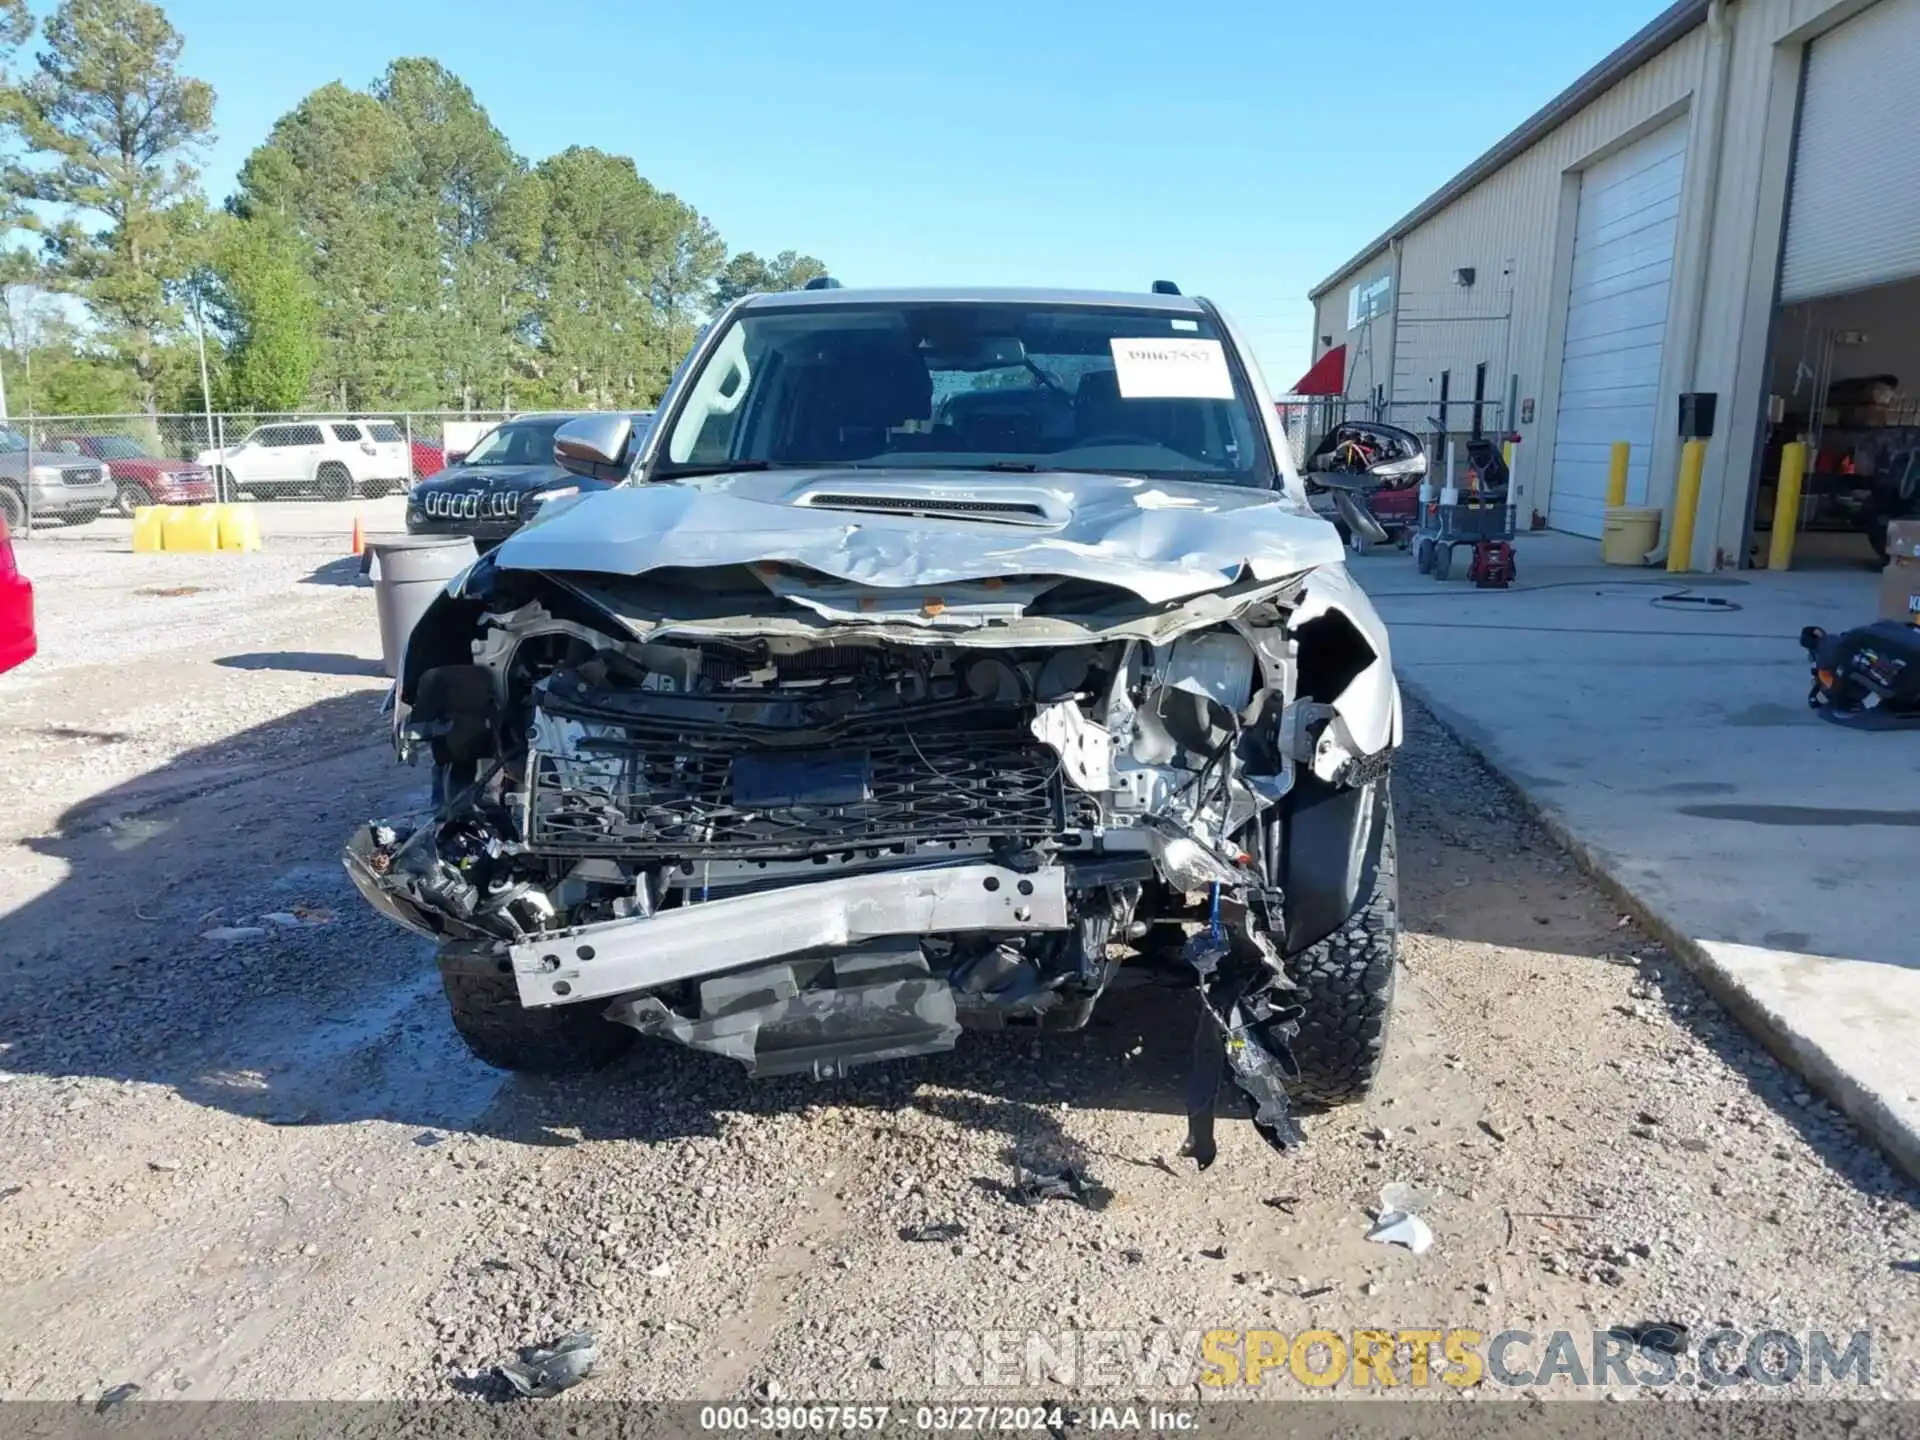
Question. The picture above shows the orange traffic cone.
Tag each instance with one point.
(359, 545)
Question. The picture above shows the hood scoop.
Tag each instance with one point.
(937, 507)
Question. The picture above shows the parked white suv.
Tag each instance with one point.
(334, 459)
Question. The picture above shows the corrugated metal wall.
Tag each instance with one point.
(1369, 346)
(1515, 229)
(1512, 229)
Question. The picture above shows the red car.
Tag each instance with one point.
(16, 607)
(143, 479)
(427, 460)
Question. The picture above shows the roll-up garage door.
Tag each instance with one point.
(1854, 217)
(1616, 323)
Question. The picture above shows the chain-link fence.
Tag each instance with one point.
(70, 469)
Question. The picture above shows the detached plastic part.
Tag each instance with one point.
(540, 1374)
(883, 1005)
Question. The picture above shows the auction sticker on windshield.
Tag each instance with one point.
(1161, 369)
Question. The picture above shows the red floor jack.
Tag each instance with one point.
(1492, 567)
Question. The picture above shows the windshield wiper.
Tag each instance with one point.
(730, 467)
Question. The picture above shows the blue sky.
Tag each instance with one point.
(1243, 148)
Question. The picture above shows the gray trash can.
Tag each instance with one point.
(409, 572)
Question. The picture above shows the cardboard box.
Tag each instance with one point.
(1900, 581)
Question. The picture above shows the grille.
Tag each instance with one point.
(619, 791)
(81, 475)
(1017, 512)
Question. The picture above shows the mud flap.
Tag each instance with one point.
(1329, 853)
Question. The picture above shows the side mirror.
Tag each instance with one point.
(594, 446)
(453, 457)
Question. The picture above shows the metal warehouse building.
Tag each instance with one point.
(1730, 203)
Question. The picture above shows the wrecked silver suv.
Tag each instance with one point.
(951, 659)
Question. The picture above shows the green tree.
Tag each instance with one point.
(330, 175)
(747, 274)
(606, 239)
(265, 304)
(110, 126)
(462, 179)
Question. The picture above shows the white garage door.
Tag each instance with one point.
(1616, 324)
(1854, 219)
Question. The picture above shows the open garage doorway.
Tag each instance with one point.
(1844, 379)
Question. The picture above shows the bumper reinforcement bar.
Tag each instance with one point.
(621, 956)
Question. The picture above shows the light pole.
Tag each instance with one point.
(206, 400)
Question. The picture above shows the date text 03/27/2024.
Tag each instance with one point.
(829, 1419)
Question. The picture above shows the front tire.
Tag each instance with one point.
(561, 1040)
(13, 508)
(1442, 561)
(131, 496)
(1346, 985)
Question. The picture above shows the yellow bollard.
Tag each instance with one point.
(1617, 473)
(1686, 501)
(149, 521)
(1786, 506)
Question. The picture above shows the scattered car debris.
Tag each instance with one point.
(1283, 1203)
(1317, 1291)
(1215, 1252)
(232, 934)
(1397, 1224)
(1032, 1187)
(1492, 1131)
(163, 1166)
(118, 1395)
(1396, 1227)
(540, 1374)
(926, 1234)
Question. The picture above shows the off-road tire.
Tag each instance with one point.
(1346, 985)
(335, 481)
(562, 1040)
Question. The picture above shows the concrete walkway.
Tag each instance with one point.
(1672, 749)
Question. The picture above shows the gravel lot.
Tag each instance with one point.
(266, 1168)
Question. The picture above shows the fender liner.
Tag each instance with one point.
(1330, 845)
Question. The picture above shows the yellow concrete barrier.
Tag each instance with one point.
(1686, 503)
(149, 527)
(192, 528)
(1617, 474)
(238, 528)
(1786, 506)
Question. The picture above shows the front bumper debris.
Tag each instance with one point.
(620, 956)
(882, 1004)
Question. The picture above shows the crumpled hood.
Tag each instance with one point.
(1158, 539)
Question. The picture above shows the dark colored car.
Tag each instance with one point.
(495, 488)
(143, 479)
